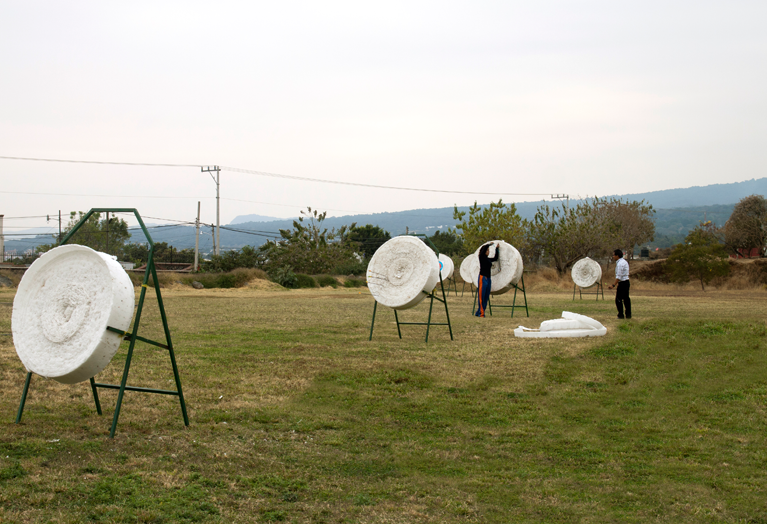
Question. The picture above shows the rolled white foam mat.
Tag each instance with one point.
(586, 272)
(63, 305)
(401, 270)
(466, 269)
(446, 266)
(506, 271)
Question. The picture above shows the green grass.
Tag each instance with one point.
(296, 417)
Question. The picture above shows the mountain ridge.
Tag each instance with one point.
(677, 211)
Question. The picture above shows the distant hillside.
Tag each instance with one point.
(677, 211)
(715, 194)
(242, 219)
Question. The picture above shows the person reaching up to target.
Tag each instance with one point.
(483, 282)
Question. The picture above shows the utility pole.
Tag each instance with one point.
(217, 242)
(48, 219)
(197, 238)
(2, 240)
(106, 249)
(565, 197)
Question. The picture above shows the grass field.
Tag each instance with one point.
(296, 417)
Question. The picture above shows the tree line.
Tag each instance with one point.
(558, 236)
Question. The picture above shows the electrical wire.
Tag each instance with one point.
(267, 174)
(374, 186)
(149, 164)
(103, 196)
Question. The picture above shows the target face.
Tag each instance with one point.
(63, 305)
(401, 271)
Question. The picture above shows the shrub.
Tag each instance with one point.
(355, 282)
(165, 278)
(244, 275)
(304, 281)
(284, 276)
(12, 276)
(225, 280)
(352, 267)
(326, 280)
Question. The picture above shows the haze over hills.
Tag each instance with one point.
(677, 211)
(243, 219)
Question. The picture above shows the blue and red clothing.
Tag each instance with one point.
(483, 282)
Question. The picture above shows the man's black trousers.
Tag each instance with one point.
(622, 298)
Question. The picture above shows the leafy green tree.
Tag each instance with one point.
(496, 221)
(136, 253)
(447, 242)
(309, 247)
(565, 235)
(139, 253)
(97, 233)
(247, 257)
(747, 227)
(701, 257)
(368, 238)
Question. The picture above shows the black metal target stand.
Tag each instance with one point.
(513, 305)
(131, 336)
(432, 297)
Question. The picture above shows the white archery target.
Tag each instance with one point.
(466, 269)
(586, 272)
(401, 270)
(505, 272)
(446, 266)
(63, 305)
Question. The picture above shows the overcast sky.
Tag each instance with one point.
(577, 97)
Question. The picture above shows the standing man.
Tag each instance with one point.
(483, 282)
(622, 282)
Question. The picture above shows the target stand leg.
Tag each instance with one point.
(96, 396)
(373, 322)
(23, 397)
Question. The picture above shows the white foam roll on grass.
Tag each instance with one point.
(63, 305)
(401, 271)
(570, 325)
(586, 272)
(506, 271)
(446, 266)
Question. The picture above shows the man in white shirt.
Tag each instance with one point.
(622, 283)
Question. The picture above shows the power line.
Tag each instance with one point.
(93, 195)
(375, 186)
(267, 174)
(148, 164)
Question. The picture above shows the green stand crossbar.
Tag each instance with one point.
(131, 336)
(600, 288)
(432, 296)
(513, 305)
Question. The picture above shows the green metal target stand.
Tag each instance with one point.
(600, 288)
(131, 335)
(513, 305)
(432, 297)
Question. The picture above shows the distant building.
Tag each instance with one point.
(754, 252)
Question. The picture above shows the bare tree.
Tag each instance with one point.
(633, 219)
(568, 234)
